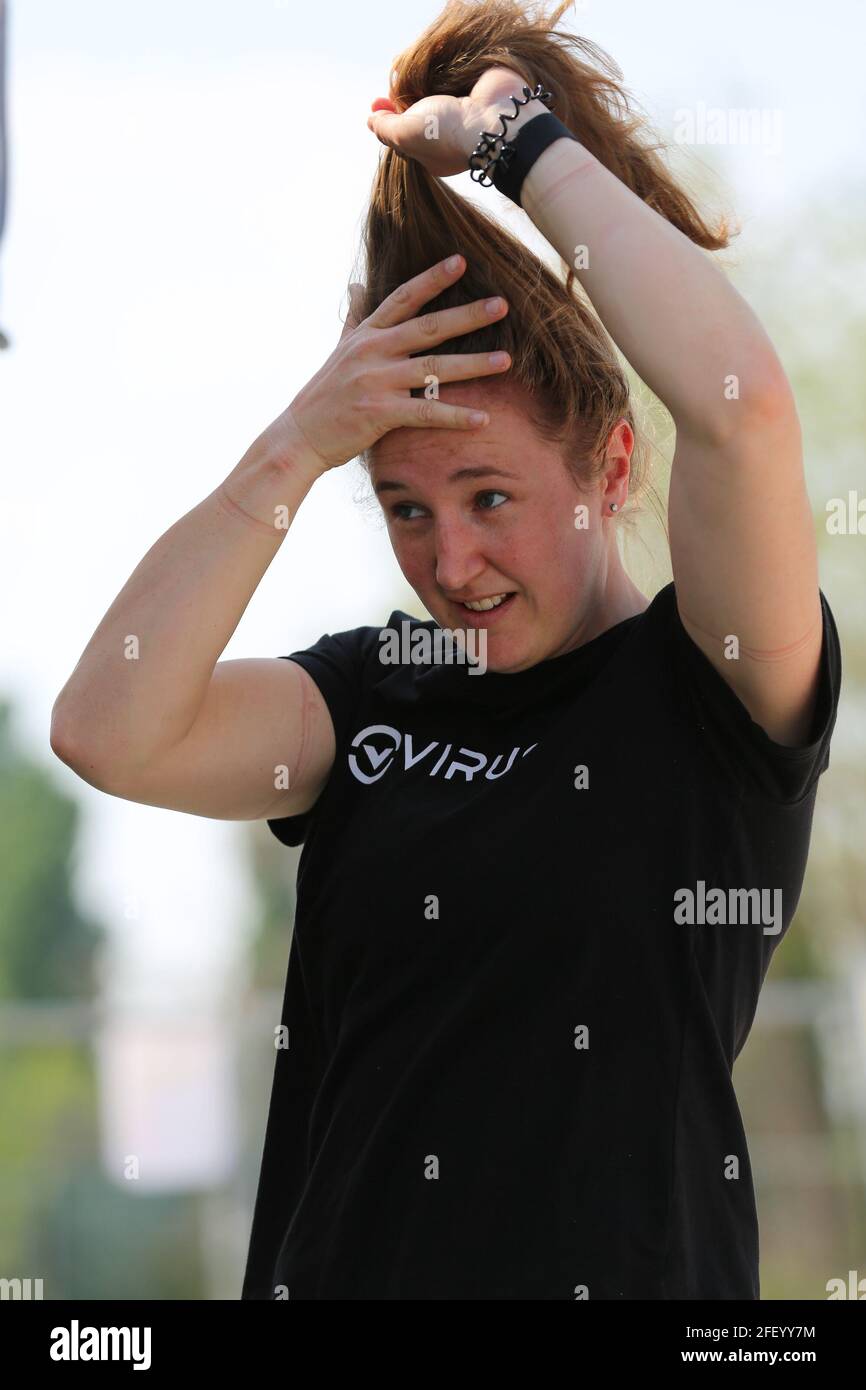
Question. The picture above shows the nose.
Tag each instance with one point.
(459, 562)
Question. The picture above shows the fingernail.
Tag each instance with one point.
(452, 263)
(492, 305)
(478, 417)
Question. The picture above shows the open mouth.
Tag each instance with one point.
(482, 617)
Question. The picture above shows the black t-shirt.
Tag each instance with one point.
(524, 960)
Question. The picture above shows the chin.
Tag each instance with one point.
(508, 654)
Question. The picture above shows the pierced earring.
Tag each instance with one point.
(614, 506)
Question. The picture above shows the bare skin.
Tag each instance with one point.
(480, 536)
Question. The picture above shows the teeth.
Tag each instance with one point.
(484, 604)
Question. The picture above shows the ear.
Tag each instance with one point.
(353, 318)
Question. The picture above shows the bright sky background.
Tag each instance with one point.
(187, 183)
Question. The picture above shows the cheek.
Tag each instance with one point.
(410, 554)
(554, 545)
(569, 555)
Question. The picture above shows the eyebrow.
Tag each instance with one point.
(388, 485)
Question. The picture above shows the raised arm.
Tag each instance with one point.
(741, 532)
(150, 713)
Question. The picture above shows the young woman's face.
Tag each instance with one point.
(473, 514)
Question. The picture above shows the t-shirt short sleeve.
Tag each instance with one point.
(337, 664)
(785, 775)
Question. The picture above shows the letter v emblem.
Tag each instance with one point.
(376, 758)
(410, 759)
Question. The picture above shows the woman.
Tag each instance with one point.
(536, 902)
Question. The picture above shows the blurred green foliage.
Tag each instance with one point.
(61, 1219)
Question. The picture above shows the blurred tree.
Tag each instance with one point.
(47, 948)
(61, 1220)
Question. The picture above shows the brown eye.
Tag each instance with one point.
(493, 493)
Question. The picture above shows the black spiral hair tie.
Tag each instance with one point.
(487, 143)
(507, 168)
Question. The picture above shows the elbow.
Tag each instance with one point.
(765, 403)
(758, 406)
(770, 399)
(62, 731)
(65, 746)
(59, 736)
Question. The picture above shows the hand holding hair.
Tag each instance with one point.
(440, 132)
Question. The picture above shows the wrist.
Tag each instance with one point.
(487, 119)
(271, 480)
(283, 448)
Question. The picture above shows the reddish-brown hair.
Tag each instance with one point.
(564, 365)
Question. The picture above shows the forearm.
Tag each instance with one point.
(674, 315)
(144, 674)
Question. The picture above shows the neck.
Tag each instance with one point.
(617, 598)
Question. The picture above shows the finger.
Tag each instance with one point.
(402, 303)
(442, 324)
(436, 415)
(353, 317)
(387, 126)
(449, 366)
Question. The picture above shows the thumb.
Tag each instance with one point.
(356, 304)
(387, 125)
